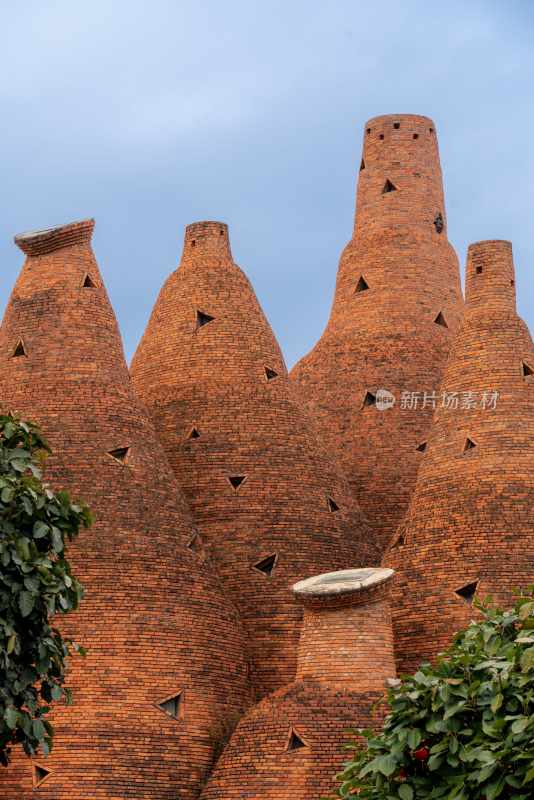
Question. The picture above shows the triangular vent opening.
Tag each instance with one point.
(399, 541)
(236, 481)
(362, 285)
(439, 222)
(172, 706)
(369, 399)
(267, 565)
(195, 543)
(332, 505)
(527, 370)
(469, 445)
(19, 350)
(440, 320)
(203, 318)
(194, 434)
(468, 592)
(120, 454)
(40, 774)
(88, 283)
(294, 742)
(389, 187)
(362, 165)
(270, 373)
(421, 447)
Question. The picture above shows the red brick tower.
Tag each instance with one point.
(469, 529)
(397, 302)
(164, 675)
(269, 504)
(289, 746)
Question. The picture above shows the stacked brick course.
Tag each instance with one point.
(289, 746)
(269, 504)
(396, 276)
(469, 529)
(175, 660)
(165, 674)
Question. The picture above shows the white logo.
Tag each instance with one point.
(384, 400)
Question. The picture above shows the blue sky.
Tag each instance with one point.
(151, 115)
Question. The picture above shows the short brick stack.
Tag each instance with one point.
(289, 746)
(165, 674)
(469, 530)
(397, 303)
(269, 504)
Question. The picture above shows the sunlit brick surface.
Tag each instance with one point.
(153, 620)
(345, 655)
(385, 336)
(471, 518)
(205, 364)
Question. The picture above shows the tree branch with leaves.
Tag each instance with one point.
(462, 729)
(36, 583)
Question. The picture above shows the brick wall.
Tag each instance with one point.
(469, 527)
(211, 373)
(396, 275)
(289, 746)
(154, 620)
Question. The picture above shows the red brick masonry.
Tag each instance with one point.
(396, 275)
(289, 746)
(210, 371)
(154, 620)
(469, 529)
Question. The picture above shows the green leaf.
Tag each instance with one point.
(496, 703)
(40, 529)
(520, 724)
(405, 792)
(38, 729)
(527, 659)
(387, 765)
(26, 603)
(454, 709)
(11, 717)
(414, 738)
(6, 495)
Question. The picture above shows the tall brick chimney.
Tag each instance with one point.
(468, 531)
(289, 746)
(346, 635)
(270, 503)
(397, 304)
(165, 673)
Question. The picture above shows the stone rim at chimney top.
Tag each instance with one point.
(36, 243)
(344, 583)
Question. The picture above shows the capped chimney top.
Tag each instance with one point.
(36, 243)
(347, 582)
(490, 275)
(206, 239)
(396, 121)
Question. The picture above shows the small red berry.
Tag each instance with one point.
(422, 754)
(402, 774)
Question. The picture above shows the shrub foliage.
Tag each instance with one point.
(36, 582)
(462, 729)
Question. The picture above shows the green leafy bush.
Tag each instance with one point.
(36, 582)
(462, 729)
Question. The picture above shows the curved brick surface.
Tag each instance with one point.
(153, 620)
(210, 371)
(385, 335)
(470, 518)
(345, 655)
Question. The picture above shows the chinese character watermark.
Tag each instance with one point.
(451, 401)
